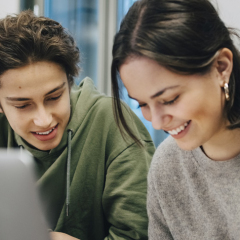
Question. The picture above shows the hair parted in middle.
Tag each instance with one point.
(26, 38)
(184, 36)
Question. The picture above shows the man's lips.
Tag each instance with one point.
(46, 135)
(45, 132)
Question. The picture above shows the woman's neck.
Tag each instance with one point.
(224, 146)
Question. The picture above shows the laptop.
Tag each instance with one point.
(21, 216)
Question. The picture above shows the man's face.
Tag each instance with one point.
(36, 101)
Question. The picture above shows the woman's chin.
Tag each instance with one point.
(187, 146)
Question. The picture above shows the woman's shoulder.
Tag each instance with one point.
(169, 159)
(167, 150)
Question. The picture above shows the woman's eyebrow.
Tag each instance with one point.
(158, 93)
(132, 97)
(162, 91)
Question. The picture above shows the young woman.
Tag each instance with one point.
(92, 181)
(177, 59)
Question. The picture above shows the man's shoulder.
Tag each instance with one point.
(3, 121)
(4, 128)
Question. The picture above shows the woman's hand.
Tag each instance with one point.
(61, 236)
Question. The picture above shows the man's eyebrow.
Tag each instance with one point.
(27, 99)
(158, 93)
(55, 89)
(17, 99)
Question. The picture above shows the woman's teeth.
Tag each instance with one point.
(45, 133)
(179, 129)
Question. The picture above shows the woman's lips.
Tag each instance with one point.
(181, 133)
(179, 129)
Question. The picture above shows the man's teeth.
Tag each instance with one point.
(179, 129)
(45, 133)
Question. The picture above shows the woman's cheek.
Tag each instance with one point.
(146, 113)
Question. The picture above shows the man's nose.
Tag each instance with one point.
(42, 118)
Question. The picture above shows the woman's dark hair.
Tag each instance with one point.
(181, 35)
(26, 38)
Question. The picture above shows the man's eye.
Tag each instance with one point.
(22, 106)
(55, 98)
(171, 102)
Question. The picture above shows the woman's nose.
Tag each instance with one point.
(159, 119)
(42, 118)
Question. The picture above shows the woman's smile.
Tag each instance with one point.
(178, 130)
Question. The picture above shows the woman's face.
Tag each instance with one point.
(36, 101)
(189, 107)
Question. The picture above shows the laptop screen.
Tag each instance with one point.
(21, 217)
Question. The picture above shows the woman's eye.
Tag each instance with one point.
(142, 105)
(171, 102)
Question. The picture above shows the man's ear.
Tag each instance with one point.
(224, 65)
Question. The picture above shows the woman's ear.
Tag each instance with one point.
(224, 65)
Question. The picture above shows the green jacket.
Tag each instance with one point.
(108, 176)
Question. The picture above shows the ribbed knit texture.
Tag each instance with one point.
(191, 197)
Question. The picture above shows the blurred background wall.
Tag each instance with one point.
(9, 6)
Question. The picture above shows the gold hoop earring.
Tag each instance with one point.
(226, 90)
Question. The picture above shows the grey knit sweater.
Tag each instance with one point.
(191, 196)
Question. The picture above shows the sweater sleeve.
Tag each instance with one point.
(124, 198)
(158, 228)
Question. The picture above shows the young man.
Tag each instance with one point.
(91, 179)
